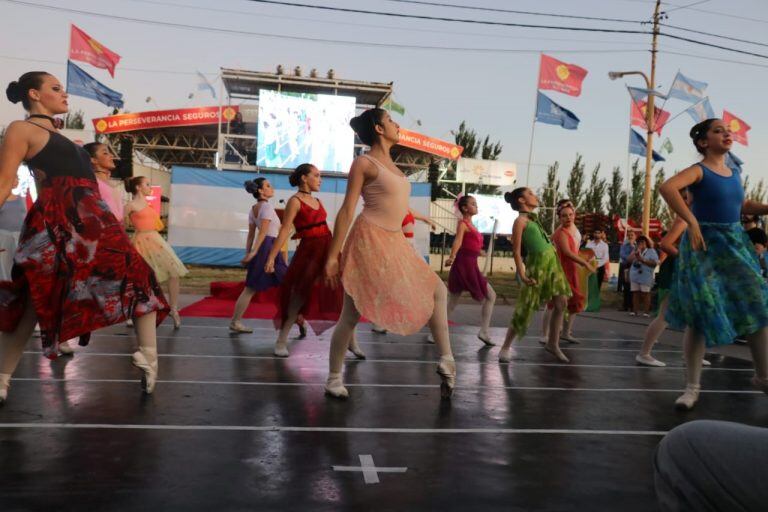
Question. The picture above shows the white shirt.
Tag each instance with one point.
(266, 212)
(601, 251)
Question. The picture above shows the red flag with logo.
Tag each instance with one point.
(560, 76)
(737, 126)
(84, 48)
(639, 109)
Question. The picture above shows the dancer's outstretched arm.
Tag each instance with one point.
(751, 207)
(422, 218)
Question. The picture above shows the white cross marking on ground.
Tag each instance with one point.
(369, 469)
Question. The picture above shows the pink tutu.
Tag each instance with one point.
(392, 286)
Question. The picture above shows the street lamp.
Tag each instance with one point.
(649, 123)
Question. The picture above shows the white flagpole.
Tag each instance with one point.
(533, 127)
(488, 254)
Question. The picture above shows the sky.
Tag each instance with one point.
(487, 77)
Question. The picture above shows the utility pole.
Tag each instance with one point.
(650, 122)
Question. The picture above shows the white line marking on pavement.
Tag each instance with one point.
(369, 469)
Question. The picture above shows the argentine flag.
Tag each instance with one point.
(687, 89)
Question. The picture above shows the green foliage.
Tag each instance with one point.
(473, 146)
(637, 188)
(574, 188)
(657, 203)
(617, 196)
(548, 196)
(593, 199)
(74, 120)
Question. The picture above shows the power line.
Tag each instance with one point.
(705, 57)
(455, 20)
(712, 45)
(139, 70)
(183, 26)
(510, 11)
(714, 35)
(387, 27)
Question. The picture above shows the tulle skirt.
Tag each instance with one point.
(304, 281)
(545, 268)
(258, 280)
(159, 255)
(392, 285)
(465, 275)
(718, 292)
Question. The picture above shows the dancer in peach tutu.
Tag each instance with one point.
(384, 279)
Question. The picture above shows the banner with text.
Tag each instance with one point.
(486, 172)
(163, 119)
(430, 145)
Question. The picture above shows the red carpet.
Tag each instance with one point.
(221, 303)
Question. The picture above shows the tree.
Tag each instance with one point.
(657, 203)
(74, 120)
(637, 189)
(574, 189)
(490, 151)
(593, 199)
(755, 193)
(549, 194)
(468, 139)
(617, 196)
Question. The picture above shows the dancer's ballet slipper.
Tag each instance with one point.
(5, 383)
(505, 355)
(378, 330)
(570, 339)
(239, 327)
(281, 349)
(482, 336)
(357, 351)
(760, 384)
(145, 359)
(302, 331)
(688, 399)
(649, 361)
(430, 338)
(334, 387)
(176, 319)
(446, 369)
(65, 349)
(555, 351)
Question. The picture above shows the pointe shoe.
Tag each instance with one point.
(430, 338)
(281, 350)
(5, 383)
(570, 339)
(174, 314)
(378, 330)
(543, 340)
(129, 323)
(238, 327)
(704, 362)
(505, 355)
(65, 349)
(649, 361)
(485, 339)
(355, 349)
(302, 331)
(757, 382)
(688, 399)
(555, 351)
(146, 361)
(334, 387)
(446, 369)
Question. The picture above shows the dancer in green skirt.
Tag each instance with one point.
(542, 276)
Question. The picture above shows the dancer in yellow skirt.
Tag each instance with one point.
(541, 274)
(383, 277)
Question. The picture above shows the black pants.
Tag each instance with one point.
(624, 287)
(600, 277)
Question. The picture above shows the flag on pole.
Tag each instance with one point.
(733, 162)
(687, 89)
(701, 111)
(637, 146)
(84, 48)
(392, 105)
(737, 126)
(549, 112)
(667, 145)
(80, 83)
(205, 85)
(638, 113)
(638, 94)
(560, 76)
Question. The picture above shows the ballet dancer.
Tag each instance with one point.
(153, 247)
(541, 273)
(103, 162)
(717, 292)
(303, 290)
(75, 270)
(383, 277)
(465, 275)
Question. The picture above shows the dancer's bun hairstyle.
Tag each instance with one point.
(254, 187)
(699, 133)
(18, 90)
(513, 198)
(303, 170)
(364, 125)
(132, 184)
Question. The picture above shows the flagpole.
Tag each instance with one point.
(533, 127)
(702, 100)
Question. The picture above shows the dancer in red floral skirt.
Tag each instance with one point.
(75, 270)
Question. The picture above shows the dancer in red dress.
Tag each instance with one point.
(303, 291)
(75, 270)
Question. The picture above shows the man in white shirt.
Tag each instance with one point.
(600, 247)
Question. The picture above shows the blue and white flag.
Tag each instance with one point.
(733, 162)
(637, 146)
(687, 89)
(547, 111)
(205, 85)
(701, 111)
(639, 94)
(80, 83)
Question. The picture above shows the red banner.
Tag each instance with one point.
(430, 145)
(737, 126)
(84, 48)
(639, 110)
(163, 119)
(560, 76)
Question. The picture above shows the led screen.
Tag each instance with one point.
(298, 128)
(490, 208)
